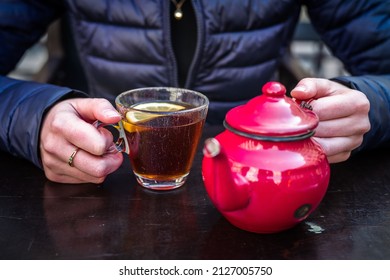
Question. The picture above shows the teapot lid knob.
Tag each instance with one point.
(272, 115)
(274, 89)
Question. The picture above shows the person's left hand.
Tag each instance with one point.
(343, 115)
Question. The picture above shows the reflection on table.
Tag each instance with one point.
(121, 220)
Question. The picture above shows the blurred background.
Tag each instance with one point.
(308, 57)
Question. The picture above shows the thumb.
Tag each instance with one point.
(91, 109)
(313, 88)
(304, 90)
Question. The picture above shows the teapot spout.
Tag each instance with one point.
(227, 190)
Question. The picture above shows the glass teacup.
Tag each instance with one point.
(160, 130)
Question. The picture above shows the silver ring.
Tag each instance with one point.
(306, 104)
(71, 158)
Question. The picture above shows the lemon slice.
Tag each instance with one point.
(159, 107)
(136, 117)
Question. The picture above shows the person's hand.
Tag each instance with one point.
(68, 127)
(343, 115)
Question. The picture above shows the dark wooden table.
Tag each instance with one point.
(121, 220)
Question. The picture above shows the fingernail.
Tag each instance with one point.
(110, 113)
(300, 88)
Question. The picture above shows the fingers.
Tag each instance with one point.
(67, 127)
(91, 109)
(331, 100)
(85, 168)
(343, 105)
(342, 127)
(316, 88)
(342, 112)
(73, 122)
(82, 134)
(96, 166)
(338, 149)
(339, 157)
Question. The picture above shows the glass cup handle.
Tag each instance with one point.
(120, 145)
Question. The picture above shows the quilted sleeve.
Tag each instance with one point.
(377, 90)
(358, 33)
(22, 107)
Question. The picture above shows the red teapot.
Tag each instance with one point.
(265, 173)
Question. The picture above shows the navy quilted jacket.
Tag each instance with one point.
(126, 44)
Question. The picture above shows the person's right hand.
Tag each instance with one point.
(69, 126)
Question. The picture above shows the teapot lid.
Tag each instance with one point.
(272, 116)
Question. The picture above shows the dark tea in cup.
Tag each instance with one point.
(162, 129)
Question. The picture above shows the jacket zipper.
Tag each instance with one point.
(199, 42)
(168, 30)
